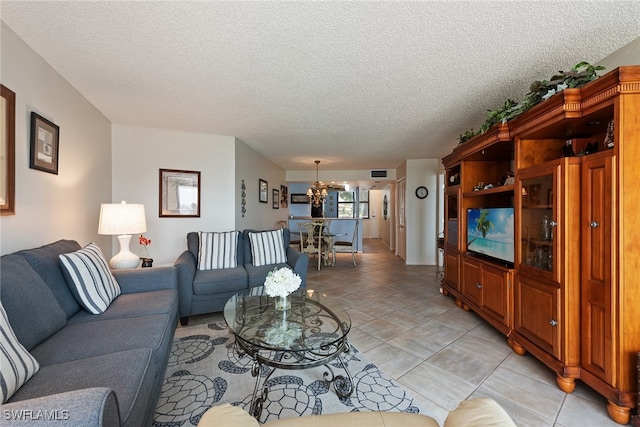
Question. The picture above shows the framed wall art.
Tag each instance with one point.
(7, 151)
(179, 193)
(45, 139)
(284, 196)
(275, 203)
(299, 198)
(263, 191)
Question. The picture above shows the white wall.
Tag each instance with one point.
(138, 155)
(421, 214)
(250, 167)
(64, 206)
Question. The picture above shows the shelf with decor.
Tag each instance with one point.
(571, 296)
(480, 167)
(487, 191)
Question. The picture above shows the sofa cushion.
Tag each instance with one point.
(267, 247)
(130, 374)
(208, 282)
(258, 274)
(17, 364)
(89, 339)
(133, 305)
(89, 278)
(32, 309)
(44, 260)
(218, 250)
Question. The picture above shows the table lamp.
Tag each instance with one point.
(122, 220)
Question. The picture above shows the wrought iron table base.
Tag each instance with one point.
(343, 386)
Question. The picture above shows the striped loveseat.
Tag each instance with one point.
(218, 265)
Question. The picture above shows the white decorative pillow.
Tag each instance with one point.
(18, 365)
(267, 247)
(90, 279)
(218, 250)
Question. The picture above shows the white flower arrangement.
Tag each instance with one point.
(281, 282)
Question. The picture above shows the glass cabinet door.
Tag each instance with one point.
(451, 230)
(537, 221)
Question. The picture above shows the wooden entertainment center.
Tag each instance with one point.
(571, 297)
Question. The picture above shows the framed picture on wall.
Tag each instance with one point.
(263, 191)
(7, 152)
(299, 198)
(275, 203)
(45, 139)
(179, 193)
(284, 196)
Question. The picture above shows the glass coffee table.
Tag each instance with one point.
(311, 333)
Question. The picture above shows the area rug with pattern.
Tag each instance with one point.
(205, 370)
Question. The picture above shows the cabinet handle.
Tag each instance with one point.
(553, 223)
(594, 224)
(553, 322)
(478, 285)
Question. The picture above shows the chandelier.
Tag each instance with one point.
(317, 193)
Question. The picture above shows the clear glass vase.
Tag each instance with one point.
(283, 303)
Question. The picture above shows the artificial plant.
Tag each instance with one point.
(581, 74)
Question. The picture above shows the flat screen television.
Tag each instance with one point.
(490, 233)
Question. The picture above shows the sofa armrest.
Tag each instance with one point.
(186, 269)
(299, 262)
(88, 407)
(133, 280)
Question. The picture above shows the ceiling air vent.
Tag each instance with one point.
(379, 173)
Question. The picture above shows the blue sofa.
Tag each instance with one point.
(95, 370)
(207, 291)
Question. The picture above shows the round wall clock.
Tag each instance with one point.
(422, 192)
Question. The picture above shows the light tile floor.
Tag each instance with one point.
(440, 352)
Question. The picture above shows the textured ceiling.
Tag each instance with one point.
(358, 85)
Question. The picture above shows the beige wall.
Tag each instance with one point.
(250, 167)
(628, 55)
(138, 155)
(64, 206)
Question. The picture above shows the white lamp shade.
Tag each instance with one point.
(121, 218)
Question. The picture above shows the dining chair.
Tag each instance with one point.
(352, 245)
(327, 240)
(312, 239)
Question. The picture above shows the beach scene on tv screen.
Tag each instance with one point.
(490, 232)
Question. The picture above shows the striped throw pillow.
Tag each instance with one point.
(218, 250)
(89, 278)
(267, 247)
(18, 365)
